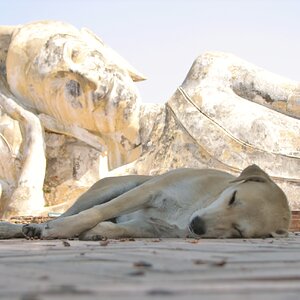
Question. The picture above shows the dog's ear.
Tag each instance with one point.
(253, 173)
(280, 233)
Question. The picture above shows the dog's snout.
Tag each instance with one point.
(197, 226)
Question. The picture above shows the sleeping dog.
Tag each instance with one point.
(180, 203)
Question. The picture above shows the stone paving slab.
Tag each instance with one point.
(150, 269)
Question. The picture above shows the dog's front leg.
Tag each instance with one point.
(71, 226)
(130, 229)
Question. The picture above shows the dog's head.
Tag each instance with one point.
(251, 206)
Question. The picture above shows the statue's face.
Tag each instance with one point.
(71, 75)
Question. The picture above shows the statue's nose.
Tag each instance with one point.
(197, 226)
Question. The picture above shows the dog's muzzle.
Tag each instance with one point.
(197, 226)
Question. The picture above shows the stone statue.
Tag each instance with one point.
(70, 114)
(58, 78)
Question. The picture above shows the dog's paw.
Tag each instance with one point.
(33, 231)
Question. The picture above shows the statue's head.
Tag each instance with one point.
(71, 75)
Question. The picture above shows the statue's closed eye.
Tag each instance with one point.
(72, 92)
(73, 88)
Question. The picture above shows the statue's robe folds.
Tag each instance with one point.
(226, 115)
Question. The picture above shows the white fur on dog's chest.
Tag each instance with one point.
(177, 216)
(170, 207)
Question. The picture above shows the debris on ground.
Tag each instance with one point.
(28, 219)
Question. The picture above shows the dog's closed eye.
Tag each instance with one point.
(232, 199)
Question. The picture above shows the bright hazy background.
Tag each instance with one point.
(161, 38)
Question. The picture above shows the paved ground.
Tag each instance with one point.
(150, 269)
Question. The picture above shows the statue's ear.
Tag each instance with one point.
(280, 233)
(253, 173)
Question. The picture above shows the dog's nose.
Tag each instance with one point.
(197, 226)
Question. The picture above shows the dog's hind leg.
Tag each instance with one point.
(104, 190)
(70, 226)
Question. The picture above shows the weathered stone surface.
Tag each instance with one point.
(207, 124)
(72, 168)
(67, 81)
(226, 115)
(72, 76)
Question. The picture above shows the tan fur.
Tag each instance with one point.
(180, 203)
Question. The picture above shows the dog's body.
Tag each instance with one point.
(180, 203)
